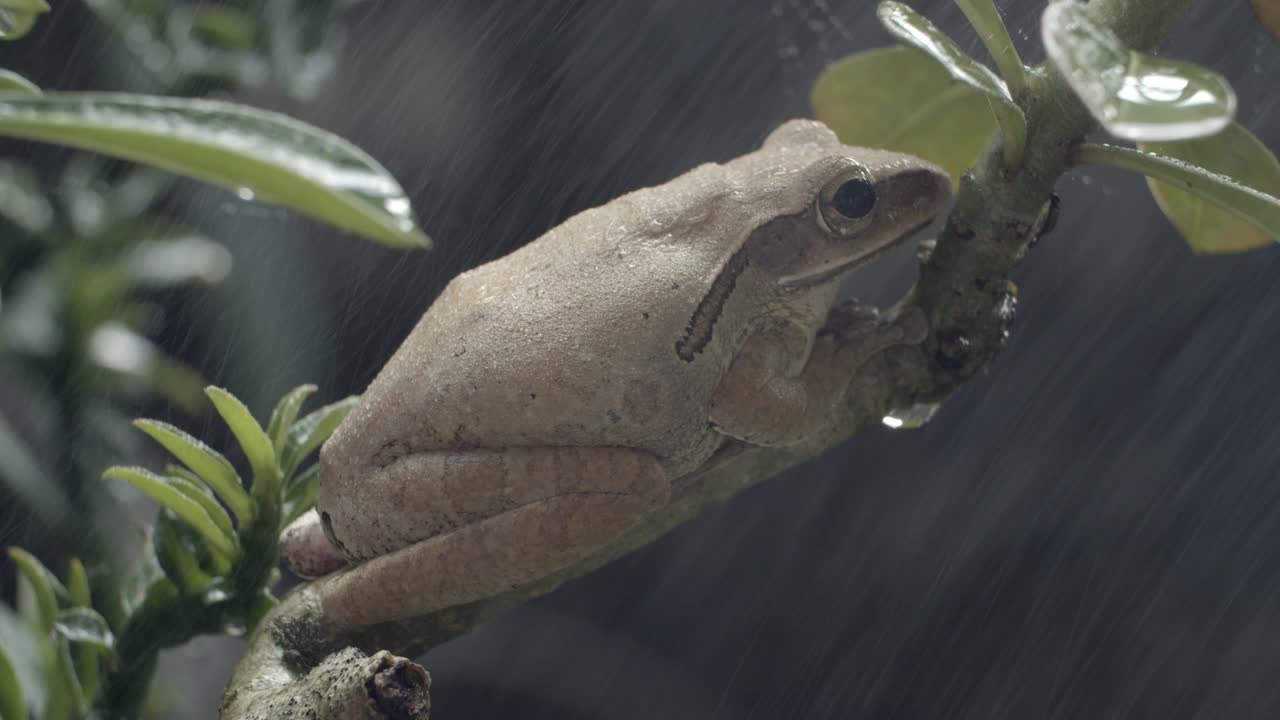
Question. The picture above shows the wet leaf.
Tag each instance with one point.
(898, 99)
(206, 462)
(311, 431)
(12, 704)
(256, 153)
(200, 493)
(252, 438)
(1235, 153)
(84, 625)
(179, 553)
(301, 494)
(1134, 96)
(12, 82)
(285, 413)
(1241, 201)
(162, 490)
(915, 30)
(86, 657)
(43, 583)
(1268, 12)
(18, 16)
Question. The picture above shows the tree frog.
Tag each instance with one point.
(550, 399)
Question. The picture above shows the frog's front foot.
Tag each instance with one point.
(306, 549)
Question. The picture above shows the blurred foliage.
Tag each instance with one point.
(209, 568)
(88, 256)
(1227, 194)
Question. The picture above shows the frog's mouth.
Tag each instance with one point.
(832, 272)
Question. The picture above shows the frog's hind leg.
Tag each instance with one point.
(508, 517)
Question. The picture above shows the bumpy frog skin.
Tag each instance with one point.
(550, 399)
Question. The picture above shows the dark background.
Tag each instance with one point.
(1087, 530)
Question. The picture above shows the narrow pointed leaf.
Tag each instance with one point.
(1240, 201)
(256, 153)
(86, 656)
(285, 413)
(70, 693)
(311, 431)
(897, 99)
(177, 552)
(18, 16)
(985, 18)
(301, 494)
(1133, 95)
(12, 704)
(12, 82)
(208, 463)
(198, 491)
(84, 625)
(1235, 153)
(162, 491)
(252, 438)
(48, 590)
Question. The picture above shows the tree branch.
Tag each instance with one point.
(964, 289)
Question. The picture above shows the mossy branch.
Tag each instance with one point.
(965, 290)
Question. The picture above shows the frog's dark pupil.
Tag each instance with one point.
(854, 199)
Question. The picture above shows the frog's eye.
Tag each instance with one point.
(846, 203)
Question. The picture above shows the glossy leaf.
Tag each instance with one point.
(12, 82)
(12, 704)
(1241, 201)
(44, 585)
(256, 153)
(985, 18)
(208, 463)
(178, 554)
(162, 490)
(252, 438)
(310, 432)
(18, 16)
(301, 494)
(84, 625)
(898, 99)
(916, 31)
(1268, 12)
(1235, 153)
(1134, 96)
(285, 413)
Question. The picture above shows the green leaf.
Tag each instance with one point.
(985, 18)
(253, 440)
(45, 585)
(1234, 153)
(1134, 96)
(26, 648)
(225, 26)
(256, 153)
(84, 625)
(1268, 12)
(311, 431)
(301, 494)
(18, 16)
(67, 696)
(12, 705)
(284, 414)
(178, 553)
(208, 463)
(12, 82)
(915, 30)
(199, 492)
(898, 99)
(86, 656)
(162, 490)
(1241, 201)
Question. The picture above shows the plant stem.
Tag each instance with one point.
(985, 18)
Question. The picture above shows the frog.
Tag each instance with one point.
(551, 399)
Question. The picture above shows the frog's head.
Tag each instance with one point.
(838, 205)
